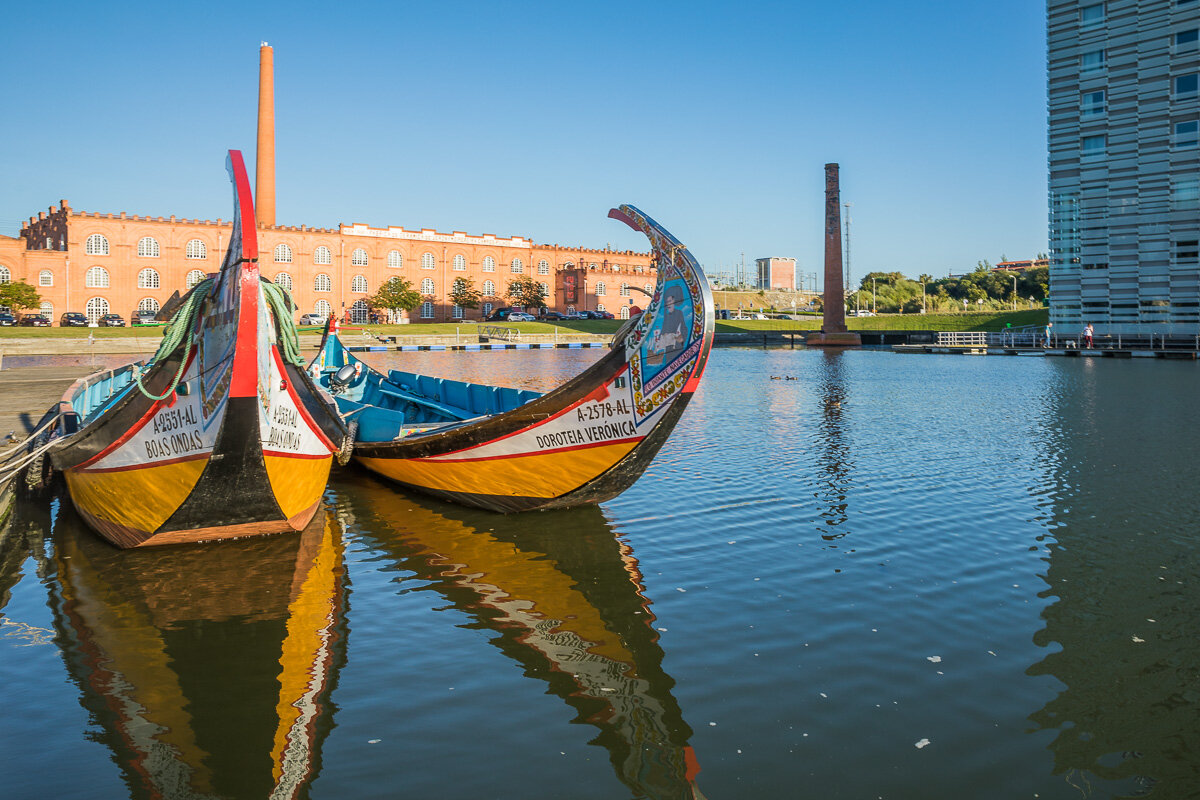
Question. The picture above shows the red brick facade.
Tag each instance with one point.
(98, 263)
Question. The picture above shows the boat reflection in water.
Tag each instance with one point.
(208, 669)
(565, 597)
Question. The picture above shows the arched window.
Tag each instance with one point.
(196, 249)
(624, 290)
(427, 310)
(360, 312)
(624, 314)
(543, 267)
(359, 257)
(489, 264)
(285, 280)
(283, 254)
(148, 305)
(96, 278)
(600, 307)
(358, 284)
(489, 289)
(395, 259)
(6, 276)
(428, 261)
(487, 309)
(96, 245)
(47, 308)
(147, 247)
(96, 308)
(323, 308)
(322, 255)
(601, 289)
(570, 309)
(456, 312)
(148, 279)
(545, 289)
(592, 265)
(193, 277)
(517, 266)
(460, 263)
(649, 288)
(45, 278)
(322, 283)
(427, 286)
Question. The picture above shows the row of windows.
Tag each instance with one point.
(147, 247)
(98, 278)
(1184, 134)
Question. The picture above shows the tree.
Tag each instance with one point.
(396, 293)
(19, 295)
(526, 292)
(464, 294)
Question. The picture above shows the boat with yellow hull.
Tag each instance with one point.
(507, 450)
(222, 435)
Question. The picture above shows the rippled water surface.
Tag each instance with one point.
(847, 575)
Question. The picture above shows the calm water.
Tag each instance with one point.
(893, 576)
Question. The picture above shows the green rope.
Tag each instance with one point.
(181, 329)
(282, 307)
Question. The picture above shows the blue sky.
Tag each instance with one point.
(533, 119)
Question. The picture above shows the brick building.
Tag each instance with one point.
(776, 272)
(100, 263)
(119, 263)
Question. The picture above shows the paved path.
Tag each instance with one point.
(26, 393)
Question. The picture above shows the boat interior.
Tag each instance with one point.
(383, 406)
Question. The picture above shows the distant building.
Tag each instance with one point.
(776, 273)
(1124, 141)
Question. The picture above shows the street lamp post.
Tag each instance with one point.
(1014, 277)
(873, 309)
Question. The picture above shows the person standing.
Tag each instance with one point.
(1046, 334)
(1087, 335)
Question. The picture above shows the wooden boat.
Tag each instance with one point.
(508, 450)
(222, 435)
(223, 690)
(571, 611)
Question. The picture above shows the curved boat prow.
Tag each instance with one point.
(585, 442)
(222, 435)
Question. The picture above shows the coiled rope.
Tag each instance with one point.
(181, 328)
(282, 307)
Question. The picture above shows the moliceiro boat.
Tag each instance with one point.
(507, 450)
(221, 435)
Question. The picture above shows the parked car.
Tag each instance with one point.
(575, 315)
(143, 318)
(312, 319)
(548, 314)
(35, 321)
(500, 314)
(597, 315)
(72, 319)
(520, 316)
(112, 321)
(7, 319)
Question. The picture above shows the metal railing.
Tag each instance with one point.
(498, 332)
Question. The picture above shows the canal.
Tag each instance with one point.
(847, 575)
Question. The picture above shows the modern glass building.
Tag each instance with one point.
(1124, 141)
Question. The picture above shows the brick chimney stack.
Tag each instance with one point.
(835, 293)
(264, 182)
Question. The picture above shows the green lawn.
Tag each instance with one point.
(987, 321)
